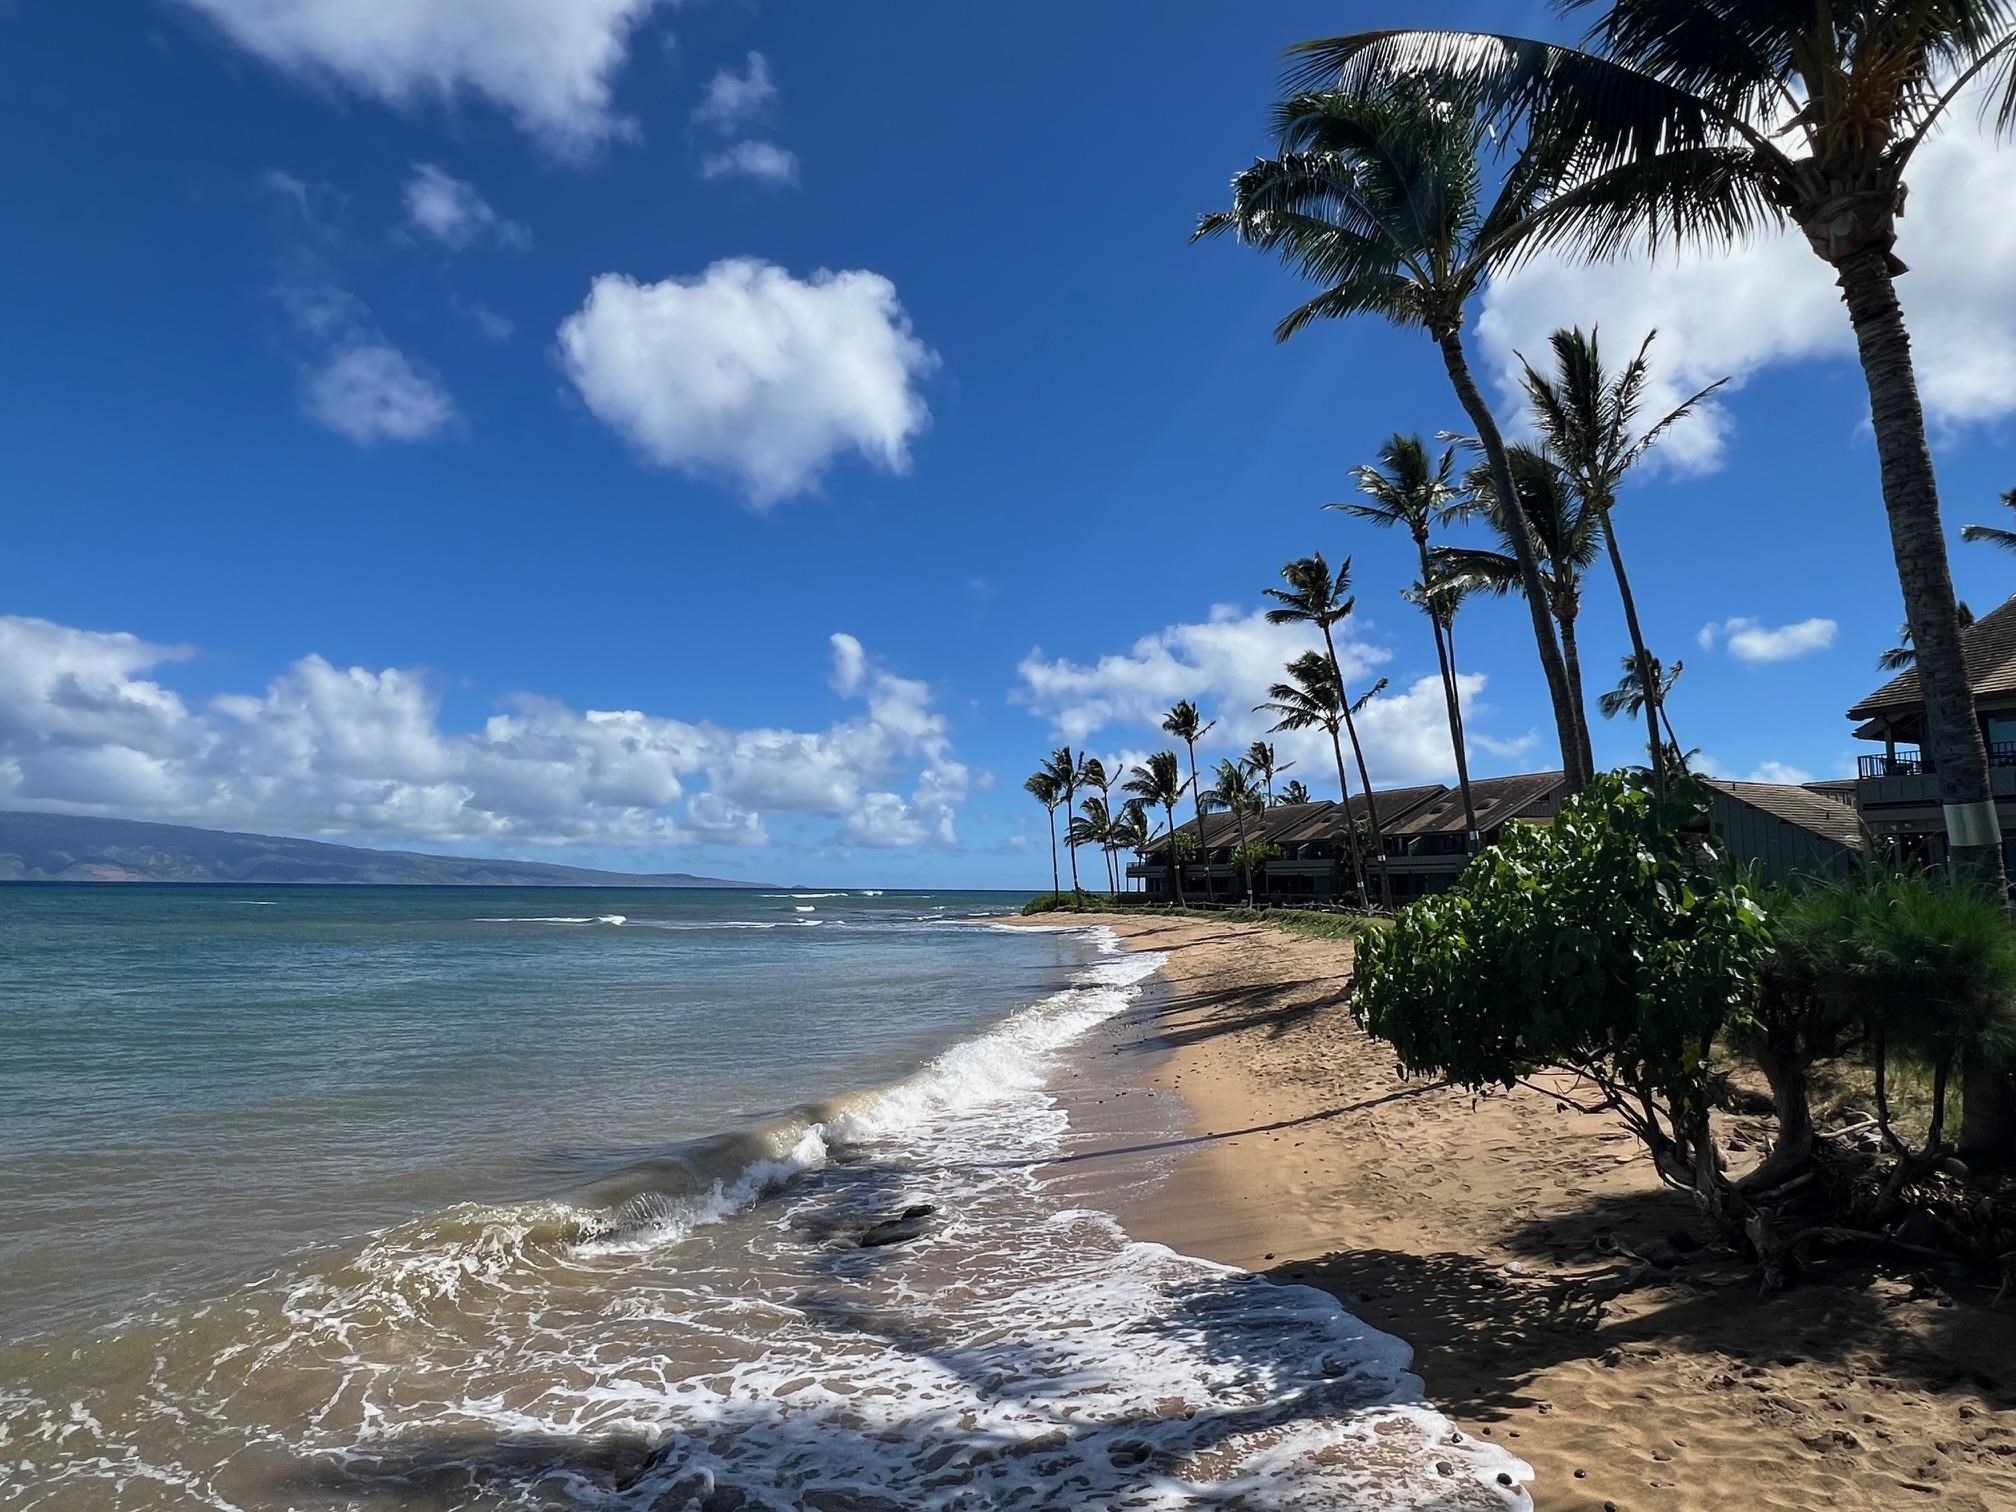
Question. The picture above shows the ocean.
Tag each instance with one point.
(515, 1198)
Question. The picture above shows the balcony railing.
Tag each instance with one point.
(2001, 753)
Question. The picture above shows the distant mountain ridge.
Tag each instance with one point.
(66, 848)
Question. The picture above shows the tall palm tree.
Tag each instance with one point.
(1628, 698)
(1569, 535)
(1093, 825)
(1063, 771)
(1382, 202)
(1295, 792)
(1233, 791)
(1042, 786)
(1704, 121)
(1316, 596)
(1310, 700)
(1263, 763)
(1187, 725)
(1132, 828)
(1159, 781)
(1408, 488)
(1903, 654)
(1992, 535)
(1589, 420)
(1092, 773)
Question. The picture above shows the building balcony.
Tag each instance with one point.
(2001, 753)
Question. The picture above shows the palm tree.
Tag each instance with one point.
(1993, 535)
(1185, 724)
(1902, 655)
(1587, 418)
(1568, 534)
(1314, 596)
(1234, 792)
(1092, 773)
(1263, 763)
(1159, 781)
(1042, 786)
(1093, 825)
(1410, 489)
(1064, 772)
(1294, 792)
(1382, 202)
(1705, 121)
(1132, 829)
(1310, 700)
(1628, 698)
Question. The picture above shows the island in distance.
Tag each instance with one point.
(68, 848)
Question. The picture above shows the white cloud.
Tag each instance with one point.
(550, 64)
(1748, 640)
(87, 727)
(493, 325)
(748, 371)
(1225, 665)
(372, 392)
(734, 99)
(1778, 771)
(1772, 301)
(765, 162)
(453, 213)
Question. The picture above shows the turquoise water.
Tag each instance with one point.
(453, 1199)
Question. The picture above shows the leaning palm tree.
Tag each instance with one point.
(1295, 792)
(1187, 725)
(1589, 421)
(1990, 535)
(1383, 203)
(1232, 790)
(1316, 596)
(1628, 698)
(1411, 489)
(1159, 780)
(1903, 655)
(1063, 771)
(1310, 700)
(1093, 825)
(1092, 774)
(1042, 786)
(1569, 535)
(1705, 121)
(1263, 763)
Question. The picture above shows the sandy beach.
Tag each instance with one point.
(1531, 1258)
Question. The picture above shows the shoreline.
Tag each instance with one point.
(1528, 1255)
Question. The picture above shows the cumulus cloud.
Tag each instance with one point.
(765, 162)
(732, 100)
(747, 371)
(1779, 771)
(1772, 301)
(1751, 641)
(1225, 665)
(372, 392)
(88, 726)
(549, 64)
(452, 212)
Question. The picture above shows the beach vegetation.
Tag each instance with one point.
(1311, 700)
(1187, 725)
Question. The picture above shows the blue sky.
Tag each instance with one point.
(444, 434)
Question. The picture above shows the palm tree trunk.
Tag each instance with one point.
(1551, 665)
(1571, 659)
(1203, 850)
(1445, 659)
(1350, 825)
(1364, 773)
(1071, 812)
(1175, 861)
(1918, 542)
(1648, 681)
(1056, 881)
(1246, 860)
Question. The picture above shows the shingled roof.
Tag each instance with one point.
(1798, 805)
(1290, 824)
(1989, 645)
(1496, 799)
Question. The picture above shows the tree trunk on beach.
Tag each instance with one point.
(1571, 659)
(1175, 861)
(1350, 825)
(1364, 773)
(1056, 879)
(1203, 850)
(1445, 658)
(1573, 767)
(1648, 679)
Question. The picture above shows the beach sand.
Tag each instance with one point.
(1484, 1232)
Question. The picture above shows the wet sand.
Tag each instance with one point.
(1487, 1233)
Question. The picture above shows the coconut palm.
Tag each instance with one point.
(1092, 774)
(1569, 536)
(1063, 771)
(1411, 489)
(1991, 535)
(1232, 790)
(1295, 792)
(1706, 121)
(1628, 698)
(1588, 419)
(1382, 202)
(1042, 786)
(1093, 825)
(1316, 596)
(1159, 780)
(1263, 763)
(1132, 828)
(1310, 700)
(1902, 655)
(1187, 725)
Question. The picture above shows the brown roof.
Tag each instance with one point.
(1798, 805)
(1301, 823)
(1496, 799)
(1989, 645)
